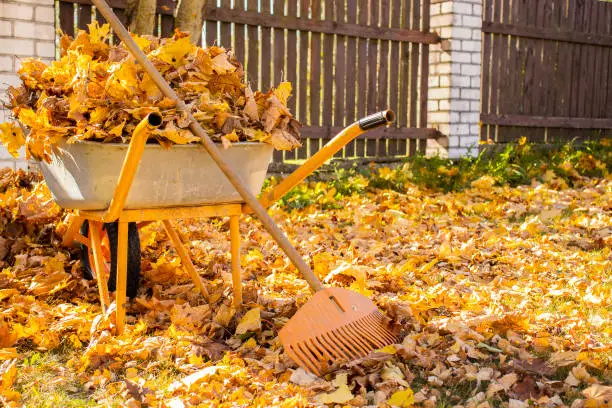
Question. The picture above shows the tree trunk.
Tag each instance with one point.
(190, 18)
(144, 23)
(130, 14)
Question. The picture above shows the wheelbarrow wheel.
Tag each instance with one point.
(111, 233)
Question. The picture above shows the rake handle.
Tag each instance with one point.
(210, 147)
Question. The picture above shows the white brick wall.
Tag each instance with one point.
(455, 76)
(26, 30)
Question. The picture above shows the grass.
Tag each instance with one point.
(518, 163)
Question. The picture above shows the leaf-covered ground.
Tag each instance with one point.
(500, 297)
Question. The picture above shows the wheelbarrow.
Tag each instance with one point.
(335, 325)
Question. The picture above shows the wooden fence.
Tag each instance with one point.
(546, 70)
(345, 59)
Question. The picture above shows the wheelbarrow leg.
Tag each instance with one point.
(95, 231)
(235, 243)
(74, 224)
(120, 297)
(185, 259)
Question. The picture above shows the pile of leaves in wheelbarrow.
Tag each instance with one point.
(97, 91)
(501, 297)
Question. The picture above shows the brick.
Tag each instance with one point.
(16, 11)
(446, 32)
(446, 57)
(475, 106)
(459, 129)
(43, 2)
(462, 8)
(444, 105)
(444, 20)
(472, 94)
(6, 28)
(6, 63)
(38, 31)
(434, 9)
(446, 7)
(438, 93)
(457, 152)
(469, 140)
(17, 46)
(44, 14)
(470, 117)
(433, 81)
(444, 128)
(475, 82)
(437, 117)
(476, 34)
(462, 106)
(476, 59)
(467, 45)
(456, 69)
(471, 21)
(462, 33)
(464, 57)
(474, 129)
(432, 106)
(443, 68)
(454, 117)
(444, 80)
(45, 49)
(453, 141)
(470, 69)
(477, 10)
(454, 93)
(460, 81)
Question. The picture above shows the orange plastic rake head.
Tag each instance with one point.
(336, 325)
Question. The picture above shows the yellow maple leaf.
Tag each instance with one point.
(174, 52)
(251, 321)
(97, 33)
(403, 398)
(283, 92)
(12, 137)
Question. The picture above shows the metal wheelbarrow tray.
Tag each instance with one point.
(84, 175)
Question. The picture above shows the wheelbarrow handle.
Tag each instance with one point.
(349, 133)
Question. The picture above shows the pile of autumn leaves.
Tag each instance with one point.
(97, 91)
(500, 296)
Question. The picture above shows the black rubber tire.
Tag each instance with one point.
(133, 272)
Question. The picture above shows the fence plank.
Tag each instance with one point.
(351, 78)
(383, 73)
(485, 94)
(66, 19)
(422, 144)
(239, 35)
(266, 49)
(340, 71)
(253, 50)
(362, 84)
(394, 67)
(225, 28)
(302, 95)
(278, 65)
(328, 67)
(83, 16)
(315, 76)
(414, 74)
(372, 145)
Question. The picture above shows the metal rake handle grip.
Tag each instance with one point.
(210, 147)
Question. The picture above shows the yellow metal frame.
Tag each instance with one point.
(116, 212)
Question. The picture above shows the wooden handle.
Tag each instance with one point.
(210, 147)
